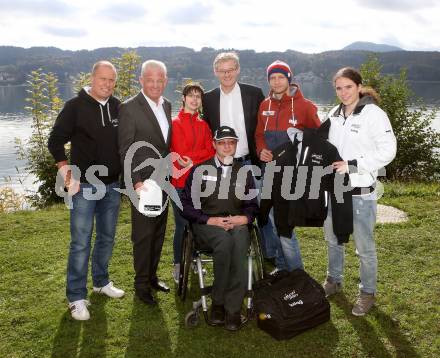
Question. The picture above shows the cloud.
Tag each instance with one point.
(193, 14)
(123, 12)
(64, 31)
(37, 7)
(260, 24)
(397, 5)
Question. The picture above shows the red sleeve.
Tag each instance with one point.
(312, 116)
(259, 131)
(177, 144)
(207, 151)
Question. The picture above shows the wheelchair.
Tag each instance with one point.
(194, 259)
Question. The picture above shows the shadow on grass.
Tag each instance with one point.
(368, 337)
(66, 340)
(148, 333)
(91, 343)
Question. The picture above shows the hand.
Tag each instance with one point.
(237, 220)
(266, 155)
(222, 222)
(70, 183)
(184, 161)
(341, 167)
(139, 186)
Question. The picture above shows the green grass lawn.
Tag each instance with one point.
(35, 322)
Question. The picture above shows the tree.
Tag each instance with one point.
(127, 68)
(44, 106)
(418, 145)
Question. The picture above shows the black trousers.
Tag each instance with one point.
(230, 263)
(147, 236)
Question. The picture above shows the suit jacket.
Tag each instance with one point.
(251, 98)
(137, 122)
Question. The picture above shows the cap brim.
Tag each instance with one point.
(226, 137)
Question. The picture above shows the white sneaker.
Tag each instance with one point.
(79, 310)
(176, 273)
(109, 290)
(274, 271)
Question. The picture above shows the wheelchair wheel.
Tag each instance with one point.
(192, 319)
(257, 255)
(185, 263)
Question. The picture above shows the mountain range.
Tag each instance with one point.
(370, 46)
(17, 62)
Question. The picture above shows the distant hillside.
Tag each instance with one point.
(371, 46)
(16, 62)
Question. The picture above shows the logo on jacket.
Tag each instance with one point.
(293, 121)
(316, 158)
(114, 122)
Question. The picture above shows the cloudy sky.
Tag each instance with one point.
(308, 26)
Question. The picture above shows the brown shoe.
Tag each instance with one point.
(364, 303)
(331, 287)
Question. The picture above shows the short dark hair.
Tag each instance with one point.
(191, 87)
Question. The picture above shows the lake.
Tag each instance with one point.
(16, 123)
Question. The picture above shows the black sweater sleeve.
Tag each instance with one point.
(62, 132)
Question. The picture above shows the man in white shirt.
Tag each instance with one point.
(235, 105)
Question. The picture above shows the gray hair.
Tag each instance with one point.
(103, 63)
(153, 64)
(226, 56)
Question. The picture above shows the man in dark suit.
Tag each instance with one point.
(146, 117)
(235, 105)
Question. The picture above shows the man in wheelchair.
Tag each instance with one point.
(220, 203)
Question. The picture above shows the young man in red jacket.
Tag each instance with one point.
(285, 107)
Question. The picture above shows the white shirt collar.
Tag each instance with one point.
(234, 90)
(151, 102)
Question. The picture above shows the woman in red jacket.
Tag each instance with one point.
(192, 140)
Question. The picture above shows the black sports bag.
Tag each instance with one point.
(289, 303)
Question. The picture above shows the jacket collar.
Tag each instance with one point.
(294, 92)
(363, 101)
(187, 116)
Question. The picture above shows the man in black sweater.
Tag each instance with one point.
(89, 122)
(220, 222)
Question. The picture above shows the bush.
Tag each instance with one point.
(10, 200)
(44, 106)
(418, 145)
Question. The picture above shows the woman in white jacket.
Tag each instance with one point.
(362, 133)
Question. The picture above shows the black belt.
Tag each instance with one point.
(363, 190)
(243, 158)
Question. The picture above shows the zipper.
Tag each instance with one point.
(278, 114)
(305, 155)
(194, 132)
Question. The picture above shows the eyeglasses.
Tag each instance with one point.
(226, 72)
(194, 95)
(226, 142)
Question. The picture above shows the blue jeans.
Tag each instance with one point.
(291, 253)
(364, 219)
(179, 222)
(82, 216)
